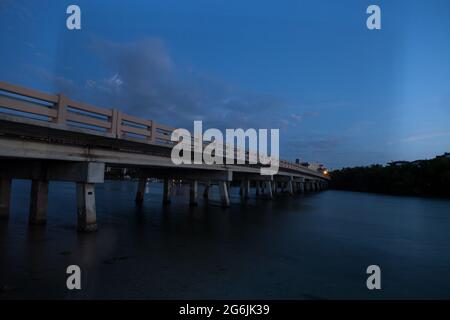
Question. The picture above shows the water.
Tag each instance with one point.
(316, 246)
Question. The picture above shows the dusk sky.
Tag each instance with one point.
(341, 94)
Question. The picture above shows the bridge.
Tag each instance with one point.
(46, 137)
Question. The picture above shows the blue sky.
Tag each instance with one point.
(341, 94)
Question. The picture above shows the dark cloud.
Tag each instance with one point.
(145, 81)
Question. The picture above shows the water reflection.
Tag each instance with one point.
(313, 246)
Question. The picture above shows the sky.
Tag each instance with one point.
(341, 94)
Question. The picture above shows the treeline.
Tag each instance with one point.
(430, 178)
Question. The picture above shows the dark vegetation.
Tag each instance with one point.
(429, 178)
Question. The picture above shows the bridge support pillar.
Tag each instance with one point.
(38, 202)
(290, 187)
(245, 187)
(206, 190)
(166, 191)
(141, 190)
(193, 193)
(224, 197)
(301, 187)
(269, 189)
(87, 216)
(5, 197)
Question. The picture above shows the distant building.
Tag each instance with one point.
(313, 166)
(316, 166)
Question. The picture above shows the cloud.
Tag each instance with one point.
(297, 118)
(114, 81)
(145, 81)
(422, 136)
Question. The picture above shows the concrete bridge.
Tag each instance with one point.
(45, 137)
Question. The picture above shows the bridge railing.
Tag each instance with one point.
(23, 103)
(59, 111)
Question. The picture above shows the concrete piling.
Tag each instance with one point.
(193, 193)
(166, 191)
(206, 190)
(141, 190)
(5, 197)
(86, 211)
(224, 197)
(38, 202)
(269, 189)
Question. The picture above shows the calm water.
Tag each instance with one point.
(316, 246)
